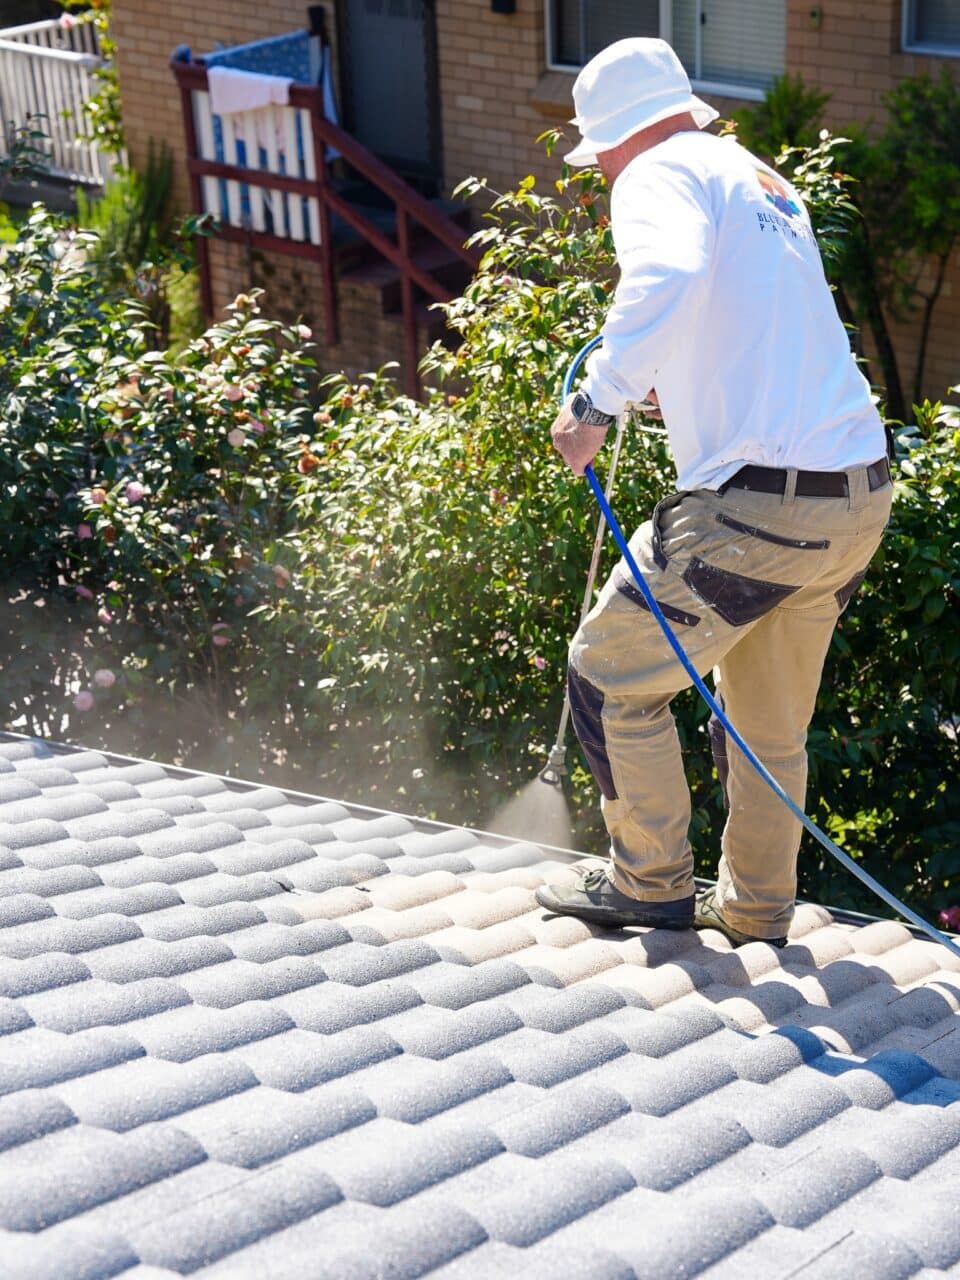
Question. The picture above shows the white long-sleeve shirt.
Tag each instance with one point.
(723, 307)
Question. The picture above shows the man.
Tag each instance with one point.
(783, 493)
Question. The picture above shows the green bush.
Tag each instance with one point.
(373, 599)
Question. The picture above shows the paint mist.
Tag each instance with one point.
(538, 812)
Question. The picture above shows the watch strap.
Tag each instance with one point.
(584, 410)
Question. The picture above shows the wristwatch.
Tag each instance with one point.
(583, 410)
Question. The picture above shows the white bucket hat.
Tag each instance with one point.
(630, 85)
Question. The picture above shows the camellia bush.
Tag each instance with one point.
(219, 560)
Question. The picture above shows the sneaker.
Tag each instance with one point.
(707, 916)
(598, 901)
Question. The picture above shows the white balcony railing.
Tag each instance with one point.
(47, 71)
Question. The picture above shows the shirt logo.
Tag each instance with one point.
(778, 194)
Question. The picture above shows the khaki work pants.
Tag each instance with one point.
(753, 585)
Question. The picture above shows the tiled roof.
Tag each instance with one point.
(404, 1066)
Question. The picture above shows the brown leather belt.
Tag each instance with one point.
(810, 484)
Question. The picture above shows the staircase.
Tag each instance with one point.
(361, 269)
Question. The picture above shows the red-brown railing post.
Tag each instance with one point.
(409, 314)
(196, 198)
(331, 321)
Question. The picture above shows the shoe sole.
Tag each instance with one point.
(605, 916)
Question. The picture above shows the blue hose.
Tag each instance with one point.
(844, 859)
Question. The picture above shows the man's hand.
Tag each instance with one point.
(576, 443)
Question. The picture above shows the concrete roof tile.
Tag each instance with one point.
(457, 864)
(262, 1124)
(567, 1112)
(473, 946)
(250, 856)
(15, 787)
(172, 840)
(137, 826)
(36, 1058)
(54, 934)
(92, 1254)
(791, 1106)
(380, 924)
(265, 942)
(191, 921)
(47, 884)
(99, 1004)
(387, 1161)
(86, 853)
(558, 1010)
(356, 1034)
(553, 1192)
(222, 890)
(66, 1172)
(354, 830)
(144, 870)
(21, 835)
(242, 818)
(814, 1185)
(13, 1017)
(163, 787)
(181, 807)
(39, 973)
(76, 805)
(30, 1114)
(147, 958)
(101, 899)
(335, 1006)
(863, 1253)
(22, 908)
(439, 1033)
(225, 1221)
(399, 893)
(537, 1057)
(261, 798)
(181, 1034)
(9, 859)
(333, 904)
(145, 1090)
(28, 749)
(566, 965)
(297, 1060)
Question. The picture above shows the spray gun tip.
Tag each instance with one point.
(555, 769)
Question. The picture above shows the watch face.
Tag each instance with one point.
(579, 406)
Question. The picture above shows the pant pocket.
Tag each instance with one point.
(736, 598)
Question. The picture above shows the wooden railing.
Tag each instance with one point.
(280, 197)
(46, 71)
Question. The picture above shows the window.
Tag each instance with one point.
(728, 46)
(932, 26)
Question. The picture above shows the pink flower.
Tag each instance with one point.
(98, 497)
(221, 640)
(539, 663)
(105, 615)
(233, 392)
(104, 678)
(84, 531)
(304, 331)
(258, 426)
(84, 700)
(134, 491)
(236, 438)
(67, 21)
(950, 919)
(217, 634)
(83, 592)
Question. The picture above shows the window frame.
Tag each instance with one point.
(721, 89)
(929, 50)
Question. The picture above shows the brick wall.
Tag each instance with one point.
(496, 96)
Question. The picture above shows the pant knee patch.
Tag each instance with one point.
(586, 711)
